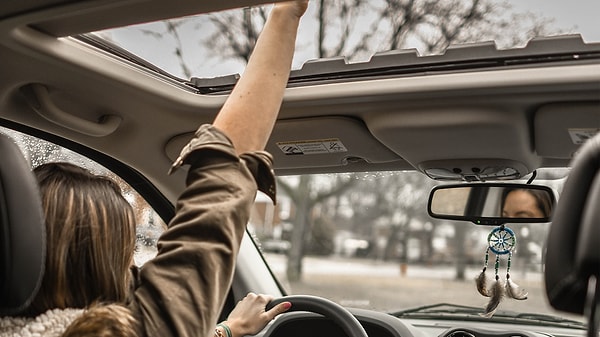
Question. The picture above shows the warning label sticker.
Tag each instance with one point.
(579, 136)
(317, 146)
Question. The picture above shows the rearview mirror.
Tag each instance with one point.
(492, 203)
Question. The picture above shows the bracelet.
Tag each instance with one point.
(225, 327)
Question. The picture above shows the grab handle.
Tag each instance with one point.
(106, 125)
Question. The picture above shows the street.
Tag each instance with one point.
(379, 285)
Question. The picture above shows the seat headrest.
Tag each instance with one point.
(22, 231)
(573, 247)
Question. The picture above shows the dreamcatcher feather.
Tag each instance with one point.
(501, 241)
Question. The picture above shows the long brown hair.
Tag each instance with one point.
(90, 239)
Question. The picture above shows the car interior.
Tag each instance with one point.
(23, 249)
(572, 271)
(476, 114)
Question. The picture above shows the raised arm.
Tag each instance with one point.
(250, 111)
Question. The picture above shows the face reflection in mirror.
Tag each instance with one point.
(521, 203)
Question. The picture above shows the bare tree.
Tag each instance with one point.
(391, 202)
(305, 194)
(429, 25)
(172, 29)
(236, 31)
(339, 28)
(432, 24)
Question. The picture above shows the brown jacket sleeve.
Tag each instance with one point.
(182, 290)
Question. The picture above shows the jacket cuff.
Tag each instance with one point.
(210, 139)
(206, 138)
(260, 164)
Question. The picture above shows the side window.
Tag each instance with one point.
(149, 224)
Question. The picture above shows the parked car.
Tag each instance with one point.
(275, 246)
(393, 100)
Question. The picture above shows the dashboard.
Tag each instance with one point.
(377, 324)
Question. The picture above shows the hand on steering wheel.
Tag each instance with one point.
(338, 314)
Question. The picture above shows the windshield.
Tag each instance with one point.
(219, 44)
(365, 240)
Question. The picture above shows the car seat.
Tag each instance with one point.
(572, 271)
(22, 231)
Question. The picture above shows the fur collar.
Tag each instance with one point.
(52, 323)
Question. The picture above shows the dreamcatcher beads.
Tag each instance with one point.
(481, 280)
(501, 241)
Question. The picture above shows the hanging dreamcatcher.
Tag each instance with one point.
(501, 242)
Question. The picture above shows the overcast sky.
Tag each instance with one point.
(583, 15)
(569, 16)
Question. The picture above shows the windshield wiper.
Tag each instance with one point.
(439, 308)
(469, 313)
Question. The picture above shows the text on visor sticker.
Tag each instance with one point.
(317, 146)
(579, 136)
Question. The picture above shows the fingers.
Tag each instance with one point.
(262, 300)
(278, 309)
(265, 299)
(250, 315)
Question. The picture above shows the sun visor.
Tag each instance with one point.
(323, 142)
(440, 142)
(560, 129)
(314, 142)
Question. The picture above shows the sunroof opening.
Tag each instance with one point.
(219, 44)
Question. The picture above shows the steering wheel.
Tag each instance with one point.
(338, 314)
